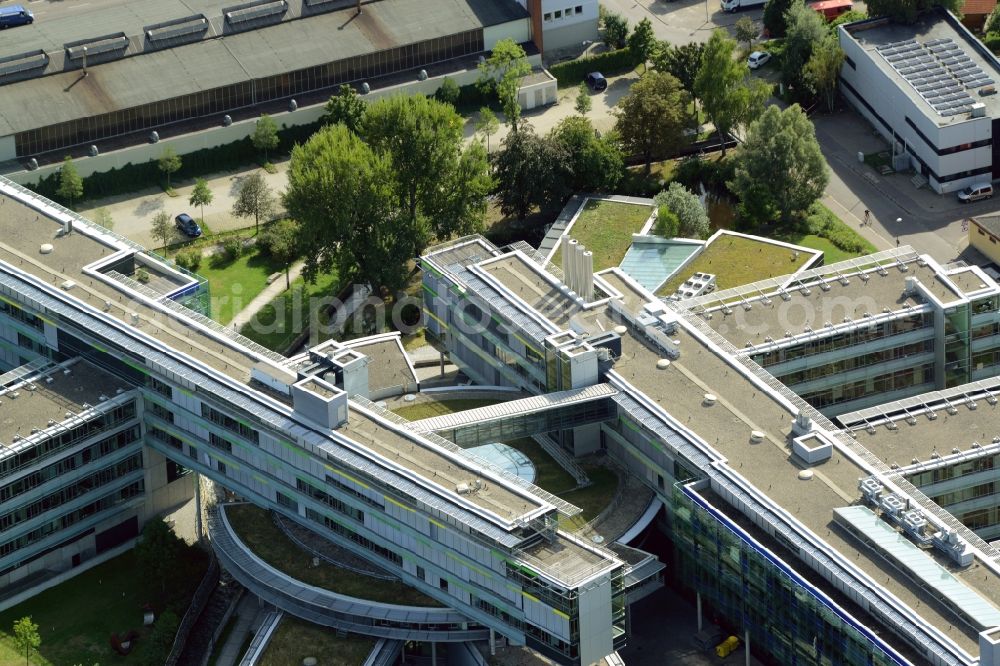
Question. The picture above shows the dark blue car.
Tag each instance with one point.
(187, 226)
(15, 15)
(596, 81)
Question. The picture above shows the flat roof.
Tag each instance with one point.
(388, 364)
(39, 401)
(849, 293)
(435, 465)
(568, 560)
(529, 283)
(931, 27)
(218, 60)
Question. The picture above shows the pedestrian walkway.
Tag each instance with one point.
(249, 614)
(270, 292)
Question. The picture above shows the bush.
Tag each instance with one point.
(189, 259)
(991, 40)
(572, 72)
(667, 222)
(847, 17)
(713, 174)
(232, 248)
(142, 275)
(822, 222)
(448, 92)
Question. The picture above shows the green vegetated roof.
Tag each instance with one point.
(606, 228)
(738, 260)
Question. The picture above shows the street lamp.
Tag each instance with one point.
(899, 222)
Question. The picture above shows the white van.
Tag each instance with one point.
(976, 192)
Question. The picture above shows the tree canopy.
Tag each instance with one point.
(265, 134)
(651, 117)
(158, 551)
(502, 73)
(583, 103)
(907, 11)
(774, 16)
(823, 69)
(255, 199)
(26, 637)
(683, 62)
(642, 40)
(594, 164)
(730, 96)
(746, 30)
(282, 240)
(161, 229)
(441, 187)
(529, 171)
(487, 124)
(169, 162)
(346, 108)
(341, 191)
(692, 219)
(201, 195)
(779, 169)
(805, 30)
(614, 30)
(70, 184)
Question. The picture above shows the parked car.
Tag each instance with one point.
(15, 15)
(976, 192)
(758, 59)
(596, 81)
(187, 226)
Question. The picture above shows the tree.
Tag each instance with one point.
(448, 92)
(774, 17)
(529, 172)
(26, 636)
(346, 108)
(487, 124)
(614, 30)
(730, 97)
(779, 169)
(501, 73)
(70, 183)
(907, 11)
(583, 102)
(746, 31)
(102, 217)
(265, 135)
(651, 117)
(692, 219)
(169, 162)
(823, 69)
(161, 229)
(667, 223)
(157, 553)
(992, 21)
(441, 185)
(283, 241)
(594, 164)
(342, 193)
(805, 29)
(683, 62)
(254, 199)
(201, 195)
(642, 41)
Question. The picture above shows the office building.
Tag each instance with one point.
(929, 88)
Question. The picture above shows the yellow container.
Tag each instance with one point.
(726, 647)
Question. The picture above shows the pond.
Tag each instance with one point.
(721, 213)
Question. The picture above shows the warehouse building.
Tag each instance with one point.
(929, 88)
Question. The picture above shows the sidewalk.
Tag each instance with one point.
(270, 292)
(248, 614)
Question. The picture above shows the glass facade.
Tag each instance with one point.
(956, 345)
(248, 93)
(751, 589)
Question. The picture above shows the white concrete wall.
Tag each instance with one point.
(596, 641)
(519, 31)
(218, 136)
(895, 103)
(570, 29)
(7, 148)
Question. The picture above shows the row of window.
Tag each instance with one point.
(353, 536)
(70, 492)
(856, 336)
(68, 519)
(963, 494)
(229, 423)
(66, 438)
(856, 362)
(93, 452)
(24, 316)
(248, 93)
(562, 13)
(884, 383)
(330, 501)
(930, 476)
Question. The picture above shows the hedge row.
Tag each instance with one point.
(133, 177)
(572, 72)
(992, 41)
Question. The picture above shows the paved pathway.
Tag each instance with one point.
(249, 614)
(270, 292)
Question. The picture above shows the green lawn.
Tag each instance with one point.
(279, 322)
(831, 235)
(441, 406)
(606, 228)
(296, 639)
(256, 529)
(831, 253)
(735, 260)
(236, 283)
(76, 619)
(591, 499)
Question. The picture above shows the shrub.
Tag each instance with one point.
(667, 222)
(822, 222)
(713, 174)
(448, 92)
(142, 275)
(991, 40)
(232, 248)
(572, 72)
(189, 259)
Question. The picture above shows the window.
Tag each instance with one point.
(286, 501)
(558, 14)
(421, 574)
(443, 585)
(548, 16)
(579, 9)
